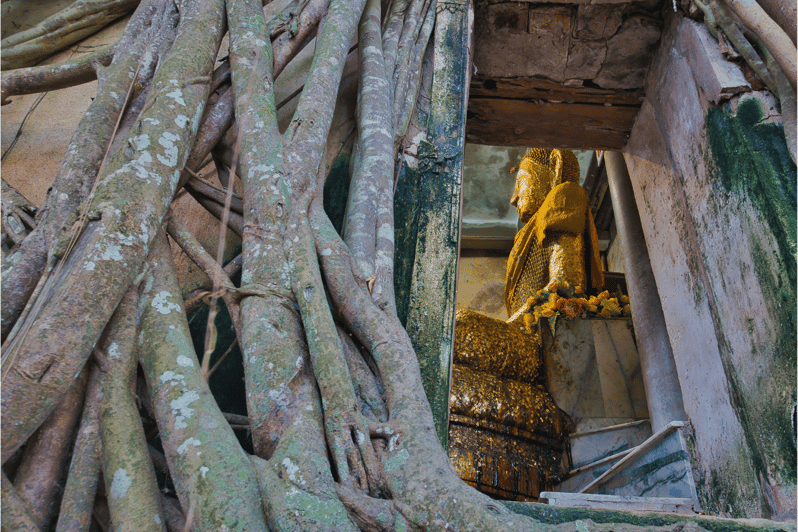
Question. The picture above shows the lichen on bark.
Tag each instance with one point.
(340, 432)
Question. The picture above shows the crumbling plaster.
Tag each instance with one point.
(607, 44)
(715, 256)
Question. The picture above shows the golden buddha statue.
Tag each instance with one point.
(558, 240)
(506, 435)
(507, 438)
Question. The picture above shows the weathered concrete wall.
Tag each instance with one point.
(480, 283)
(716, 193)
(488, 219)
(609, 44)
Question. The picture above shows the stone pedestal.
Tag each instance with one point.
(593, 371)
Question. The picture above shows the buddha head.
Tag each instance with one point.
(540, 171)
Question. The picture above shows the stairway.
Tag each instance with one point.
(617, 462)
(593, 452)
(654, 475)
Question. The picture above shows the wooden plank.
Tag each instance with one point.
(430, 308)
(539, 89)
(592, 465)
(609, 428)
(640, 504)
(504, 122)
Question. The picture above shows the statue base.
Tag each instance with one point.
(505, 462)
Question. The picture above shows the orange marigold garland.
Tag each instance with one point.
(562, 299)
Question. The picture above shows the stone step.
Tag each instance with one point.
(594, 451)
(659, 467)
(578, 478)
(679, 505)
(589, 446)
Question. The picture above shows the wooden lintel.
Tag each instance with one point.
(541, 89)
(546, 124)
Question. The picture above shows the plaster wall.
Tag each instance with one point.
(480, 283)
(610, 45)
(724, 261)
(488, 219)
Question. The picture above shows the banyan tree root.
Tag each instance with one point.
(18, 217)
(76, 22)
(86, 152)
(45, 78)
(113, 232)
(766, 49)
(342, 435)
(44, 464)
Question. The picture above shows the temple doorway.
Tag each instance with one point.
(516, 447)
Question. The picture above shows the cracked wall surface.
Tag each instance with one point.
(609, 45)
(715, 188)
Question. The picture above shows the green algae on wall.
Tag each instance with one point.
(630, 520)
(750, 164)
(406, 213)
(430, 200)
(751, 158)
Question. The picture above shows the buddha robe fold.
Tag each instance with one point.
(564, 216)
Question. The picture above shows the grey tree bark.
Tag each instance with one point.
(342, 433)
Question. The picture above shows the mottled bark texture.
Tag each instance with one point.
(112, 234)
(44, 463)
(53, 77)
(81, 19)
(342, 434)
(87, 150)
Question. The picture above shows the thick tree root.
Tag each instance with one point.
(77, 502)
(53, 77)
(213, 477)
(15, 514)
(41, 473)
(342, 432)
(81, 19)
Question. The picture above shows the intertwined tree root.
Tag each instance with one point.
(100, 378)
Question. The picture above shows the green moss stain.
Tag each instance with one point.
(405, 212)
(726, 494)
(773, 412)
(555, 515)
(316, 510)
(749, 163)
(395, 462)
(750, 158)
(693, 275)
(400, 525)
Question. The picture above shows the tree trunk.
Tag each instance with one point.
(342, 433)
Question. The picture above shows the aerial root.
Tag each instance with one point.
(353, 453)
(369, 513)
